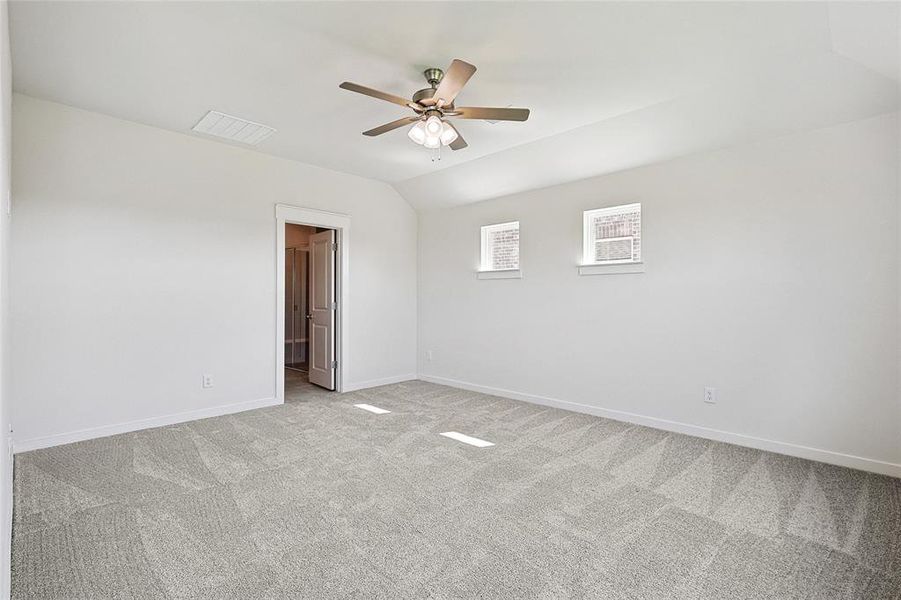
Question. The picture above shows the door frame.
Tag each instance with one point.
(284, 214)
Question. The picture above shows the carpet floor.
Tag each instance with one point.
(318, 499)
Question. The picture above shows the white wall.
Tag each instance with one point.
(772, 274)
(143, 258)
(6, 463)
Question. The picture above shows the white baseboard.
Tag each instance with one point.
(117, 428)
(826, 456)
(106, 430)
(362, 385)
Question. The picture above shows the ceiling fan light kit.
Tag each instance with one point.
(434, 105)
(433, 132)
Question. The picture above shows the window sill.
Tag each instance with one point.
(611, 269)
(505, 274)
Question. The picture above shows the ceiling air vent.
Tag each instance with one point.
(233, 129)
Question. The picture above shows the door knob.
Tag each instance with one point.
(309, 316)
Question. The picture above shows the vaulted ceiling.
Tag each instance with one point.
(610, 85)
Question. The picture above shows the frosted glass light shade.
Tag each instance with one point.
(417, 133)
(433, 126)
(448, 134)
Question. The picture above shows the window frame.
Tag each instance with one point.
(484, 258)
(589, 241)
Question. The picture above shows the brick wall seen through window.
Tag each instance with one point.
(500, 247)
(612, 235)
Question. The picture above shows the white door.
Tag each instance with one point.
(322, 309)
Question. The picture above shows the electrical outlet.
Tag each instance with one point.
(710, 395)
(428, 355)
(207, 381)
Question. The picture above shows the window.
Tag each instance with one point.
(612, 235)
(500, 247)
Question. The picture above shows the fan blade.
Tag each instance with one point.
(362, 89)
(459, 143)
(390, 126)
(458, 73)
(492, 114)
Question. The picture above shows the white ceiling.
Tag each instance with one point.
(610, 85)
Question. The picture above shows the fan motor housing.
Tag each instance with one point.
(423, 94)
(428, 94)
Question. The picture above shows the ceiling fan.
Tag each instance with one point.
(434, 105)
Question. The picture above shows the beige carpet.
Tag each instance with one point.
(318, 499)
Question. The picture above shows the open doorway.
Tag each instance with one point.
(297, 296)
(311, 334)
(310, 307)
